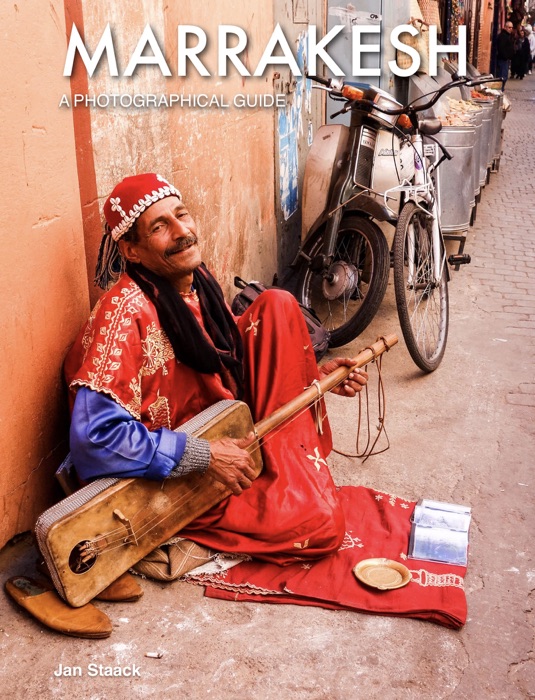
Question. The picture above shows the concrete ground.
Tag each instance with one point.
(462, 434)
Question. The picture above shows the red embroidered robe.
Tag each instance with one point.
(292, 509)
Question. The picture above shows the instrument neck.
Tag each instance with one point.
(321, 387)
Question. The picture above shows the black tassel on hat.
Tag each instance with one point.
(110, 262)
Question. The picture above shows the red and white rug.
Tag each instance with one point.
(377, 525)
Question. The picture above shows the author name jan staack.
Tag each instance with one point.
(93, 670)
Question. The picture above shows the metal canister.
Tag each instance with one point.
(487, 145)
(477, 120)
(455, 177)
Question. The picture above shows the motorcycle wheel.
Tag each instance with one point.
(348, 298)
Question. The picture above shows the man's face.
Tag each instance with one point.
(508, 27)
(167, 241)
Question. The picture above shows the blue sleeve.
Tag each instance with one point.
(106, 441)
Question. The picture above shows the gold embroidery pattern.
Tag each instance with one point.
(190, 297)
(89, 332)
(349, 542)
(392, 499)
(317, 459)
(160, 414)
(302, 545)
(254, 325)
(107, 360)
(131, 300)
(134, 406)
(157, 350)
(87, 340)
(426, 578)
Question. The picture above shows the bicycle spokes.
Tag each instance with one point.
(421, 295)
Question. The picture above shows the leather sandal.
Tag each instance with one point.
(46, 606)
(125, 589)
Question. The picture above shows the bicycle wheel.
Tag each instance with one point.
(348, 296)
(422, 300)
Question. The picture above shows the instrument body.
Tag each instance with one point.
(96, 534)
(153, 511)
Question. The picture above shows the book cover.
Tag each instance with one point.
(440, 532)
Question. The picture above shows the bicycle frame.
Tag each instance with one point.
(420, 190)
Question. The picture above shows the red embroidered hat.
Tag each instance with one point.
(131, 197)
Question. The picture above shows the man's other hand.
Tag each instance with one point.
(355, 381)
(231, 464)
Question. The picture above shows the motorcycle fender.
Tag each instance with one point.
(364, 204)
(322, 168)
(369, 206)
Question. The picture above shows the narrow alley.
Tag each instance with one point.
(463, 434)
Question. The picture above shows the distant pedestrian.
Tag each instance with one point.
(531, 38)
(521, 55)
(504, 51)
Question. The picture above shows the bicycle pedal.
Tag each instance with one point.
(455, 260)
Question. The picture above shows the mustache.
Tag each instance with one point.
(181, 244)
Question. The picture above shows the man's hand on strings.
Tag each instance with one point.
(354, 382)
(231, 464)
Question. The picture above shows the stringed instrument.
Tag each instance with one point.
(96, 534)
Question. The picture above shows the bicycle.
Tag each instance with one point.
(418, 252)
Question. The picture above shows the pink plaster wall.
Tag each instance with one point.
(60, 164)
(221, 159)
(42, 272)
(224, 158)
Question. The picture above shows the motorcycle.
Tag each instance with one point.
(342, 266)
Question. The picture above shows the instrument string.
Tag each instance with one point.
(368, 450)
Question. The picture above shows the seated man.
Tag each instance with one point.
(161, 345)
